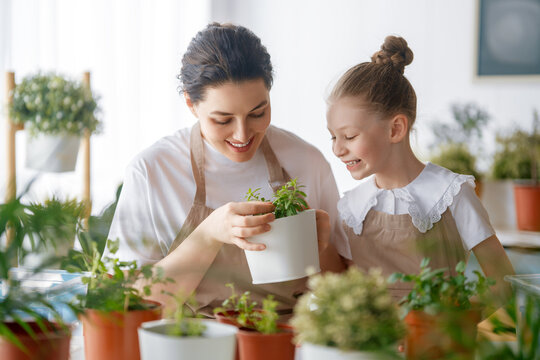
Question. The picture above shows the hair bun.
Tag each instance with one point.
(395, 52)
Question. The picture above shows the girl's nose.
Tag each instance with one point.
(338, 148)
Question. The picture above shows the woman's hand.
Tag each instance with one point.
(233, 222)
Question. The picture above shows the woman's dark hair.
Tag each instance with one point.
(221, 53)
(380, 84)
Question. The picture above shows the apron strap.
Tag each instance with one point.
(277, 175)
(197, 164)
(199, 211)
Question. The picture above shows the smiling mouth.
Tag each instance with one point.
(238, 145)
(352, 163)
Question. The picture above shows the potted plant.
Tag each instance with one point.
(260, 336)
(349, 315)
(517, 158)
(56, 112)
(291, 244)
(440, 316)
(31, 323)
(187, 336)
(115, 306)
(457, 143)
(524, 313)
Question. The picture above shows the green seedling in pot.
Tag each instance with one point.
(244, 312)
(288, 200)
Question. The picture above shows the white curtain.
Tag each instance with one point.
(133, 50)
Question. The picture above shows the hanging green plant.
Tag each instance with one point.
(55, 105)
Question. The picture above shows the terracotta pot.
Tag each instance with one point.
(254, 345)
(113, 335)
(229, 317)
(527, 199)
(428, 337)
(52, 345)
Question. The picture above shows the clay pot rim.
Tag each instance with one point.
(89, 311)
(287, 330)
(59, 332)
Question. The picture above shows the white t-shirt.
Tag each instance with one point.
(159, 189)
(425, 199)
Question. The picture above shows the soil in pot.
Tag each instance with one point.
(254, 345)
(50, 345)
(113, 335)
(434, 336)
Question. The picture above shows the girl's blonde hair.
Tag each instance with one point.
(380, 84)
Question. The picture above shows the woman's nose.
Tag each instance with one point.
(241, 132)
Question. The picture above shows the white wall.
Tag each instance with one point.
(313, 41)
(133, 49)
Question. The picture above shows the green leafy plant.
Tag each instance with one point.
(457, 158)
(456, 143)
(185, 321)
(518, 154)
(350, 311)
(52, 104)
(288, 200)
(49, 224)
(436, 291)
(112, 284)
(92, 240)
(528, 339)
(243, 311)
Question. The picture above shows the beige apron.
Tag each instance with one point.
(392, 243)
(230, 264)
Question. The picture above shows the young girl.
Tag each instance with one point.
(402, 210)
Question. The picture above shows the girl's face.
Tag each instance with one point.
(234, 117)
(359, 138)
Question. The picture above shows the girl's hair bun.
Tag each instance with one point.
(394, 52)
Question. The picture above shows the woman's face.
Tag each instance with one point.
(359, 138)
(234, 117)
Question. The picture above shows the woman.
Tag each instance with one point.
(165, 213)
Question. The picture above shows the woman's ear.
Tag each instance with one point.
(190, 104)
(399, 128)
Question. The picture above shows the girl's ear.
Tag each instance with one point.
(190, 104)
(399, 128)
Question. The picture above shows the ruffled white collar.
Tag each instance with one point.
(428, 196)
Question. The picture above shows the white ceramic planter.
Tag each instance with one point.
(317, 352)
(498, 199)
(52, 153)
(217, 343)
(291, 247)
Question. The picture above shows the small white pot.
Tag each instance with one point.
(318, 352)
(291, 247)
(217, 342)
(52, 153)
(498, 199)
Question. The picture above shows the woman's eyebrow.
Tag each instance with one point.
(263, 103)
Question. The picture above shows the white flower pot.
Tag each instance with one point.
(52, 153)
(318, 352)
(291, 248)
(218, 342)
(498, 199)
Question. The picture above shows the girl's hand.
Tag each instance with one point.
(233, 222)
(323, 229)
